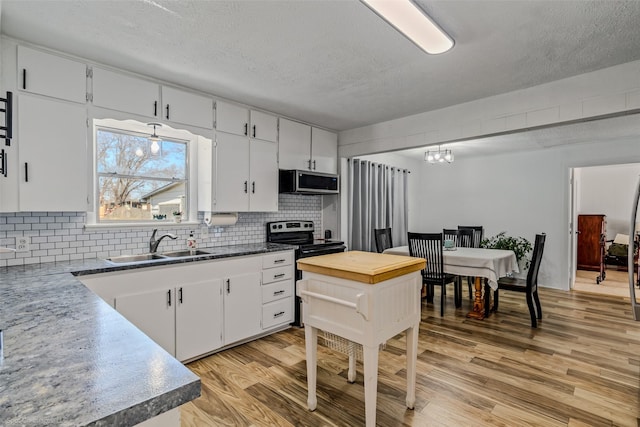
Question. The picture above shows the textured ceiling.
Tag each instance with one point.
(335, 63)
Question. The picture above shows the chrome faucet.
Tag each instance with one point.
(153, 242)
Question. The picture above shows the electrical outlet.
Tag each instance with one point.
(22, 244)
(204, 232)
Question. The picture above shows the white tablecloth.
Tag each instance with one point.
(489, 263)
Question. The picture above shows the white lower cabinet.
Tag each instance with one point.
(277, 289)
(198, 318)
(196, 308)
(241, 292)
(185, 321)
(153, 313)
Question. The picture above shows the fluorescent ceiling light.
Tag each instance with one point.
(406, 17)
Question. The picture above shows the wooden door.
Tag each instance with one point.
(591, 229)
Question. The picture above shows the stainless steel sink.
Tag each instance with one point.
(135, 258)
(185, 253)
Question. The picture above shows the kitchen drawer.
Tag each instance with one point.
(277, 259)
(277, 290)
(277, 312)
(276, 274)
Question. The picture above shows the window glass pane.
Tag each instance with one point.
(129, 154)
(139, 179)
(140, 199)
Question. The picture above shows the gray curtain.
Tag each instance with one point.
(377, 199)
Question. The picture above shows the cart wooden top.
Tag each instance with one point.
(364, 267)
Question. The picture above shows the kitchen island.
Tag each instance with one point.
(361, 299)
(70, 359)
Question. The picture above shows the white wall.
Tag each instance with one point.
(609, 190)
(521, 193)
(613, 90)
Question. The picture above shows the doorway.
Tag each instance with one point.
(601, 190)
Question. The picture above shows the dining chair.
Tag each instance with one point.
(478, 235)
(429, 247)
(463, 238)
(528, 286)
(383, 239)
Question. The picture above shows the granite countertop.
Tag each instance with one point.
(70, 359)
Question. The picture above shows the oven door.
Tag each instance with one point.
(322, 250)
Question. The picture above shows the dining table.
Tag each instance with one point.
(481, 263)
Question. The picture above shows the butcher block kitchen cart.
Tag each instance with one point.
(363, 299)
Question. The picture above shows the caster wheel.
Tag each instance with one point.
(597, 280)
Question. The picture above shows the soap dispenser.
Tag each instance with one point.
(191, 242)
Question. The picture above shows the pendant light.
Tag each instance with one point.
(440, 156)
(155, 139)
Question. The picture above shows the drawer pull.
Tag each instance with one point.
(280, 292)
(278, 261)
(277, 276)
(278, 314)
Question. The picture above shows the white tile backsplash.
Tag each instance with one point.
(61, 236)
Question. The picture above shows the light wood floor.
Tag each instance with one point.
(615, 283)
(581, 367)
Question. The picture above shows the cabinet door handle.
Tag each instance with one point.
(167, 111)
(180, 295)
(314, 165)
(246, 129)
(228, 286)
(3, 163)
(26, 172)
(278, 261)
(280, 292)
(246, 189)
(155, 108)
(169, 297)
(309, 164)
(277, 276)
(254, 131)
(253, 187)
(24, 78)
(278, 314)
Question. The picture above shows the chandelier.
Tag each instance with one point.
(440, 156)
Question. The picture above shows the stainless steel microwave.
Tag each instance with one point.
(308, 182)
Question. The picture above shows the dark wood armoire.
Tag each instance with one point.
(592, 231)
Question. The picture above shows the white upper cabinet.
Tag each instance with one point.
(231, 173)
(263, 175)
(187, 108)
(238, 120)
(52, 151)
(120, 92)
(264, 126)
(51, 75)
(237, 174)
(306, 148)
(232, 118)
(294, 145)
(324, 151)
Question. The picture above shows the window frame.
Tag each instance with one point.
(136, 128)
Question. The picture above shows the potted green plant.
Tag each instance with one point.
(519, 245)
(177, 216)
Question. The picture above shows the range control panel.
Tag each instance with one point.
(290, 226)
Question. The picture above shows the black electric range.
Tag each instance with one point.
(300, 234)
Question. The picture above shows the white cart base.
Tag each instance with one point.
(367, 314)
